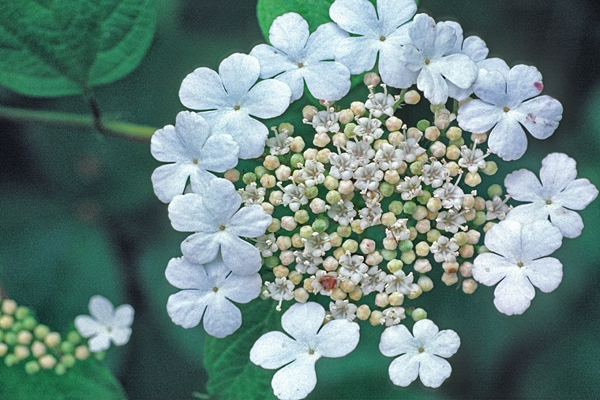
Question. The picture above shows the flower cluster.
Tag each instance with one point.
(358, 206)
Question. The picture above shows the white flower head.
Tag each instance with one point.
(503, 107)
(555, 197)
(207, 291)
(106, 324)
(518, 264)
(296, 57)
(193, 152)
(297, 355)
(421, 355)
(219, 224)
(380, 32)
(229, 98)
(431, 55)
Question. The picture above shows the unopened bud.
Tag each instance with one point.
(469, 286)
(363, 312)
(419, 314)
(375, 318)
(412, 97)
(396, 299)
(308, 112)
(422, 265)
(301, 295)
(358, 108)
(425, 283)
(449, 278)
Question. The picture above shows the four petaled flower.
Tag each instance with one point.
(106, 324)
(311, 341)
(518, 266)
(420, 355)
(207, 291)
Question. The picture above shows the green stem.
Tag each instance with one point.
(140, 133)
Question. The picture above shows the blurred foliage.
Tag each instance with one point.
(78, 216)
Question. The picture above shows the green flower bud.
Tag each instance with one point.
(296, 159)
(301, 216)
(349, 130)
(410, 207)
(41, 331)
(10, 360)
(479, 218)
(461, 238)
(260, 171)
(386, 189)
(271, 262)
(67, 347)
(423, 124)
(394, 265)
(32, 367)
(320, 224)
(344, 231)
(286, 127)
(408, 257)
(333, 197)
(422, 199)
(100, 355)
(433, 235)
(490, 168)
(29, 323)
(457, 143)
(68, 360)
(74, 337)
(311, 192)
(396, 207)
(405, 245)
(249, 177)
(60, 369)
(21, 313)
(418, 314)
(388, 255)
(416, 168)
(494, 190)
(350, 245)
(10, 338)
(306, 232)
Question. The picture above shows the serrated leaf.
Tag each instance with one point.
(231, 374)
(62, 47)
(88, 379)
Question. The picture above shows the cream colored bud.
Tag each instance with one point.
(275, 197)
(346, 187)
(371, 79)
(442, 118)
(268, 181)
(423, 226)
(38, 349)
(330, 263)
(22, 352)
(396, 299)
(356, 227)
(318, 206)
(473, 236)
(394, 265)
(437, 149)
(390, 244)
(297, 144)
(468, 201)
(393, 124)
(450, 266)
(358, 108)
(375, 318)
(6, 321)
(374, 258)
(9, 306)
(432, 133)
(321, 139)
(301, 295)
(52, 339)
(346, 116)
(308, 112)
(388, 219)
(288, 223)
(295, 277)
(472, 179)
(422, 249)
(420, 213)
(363, 312)
(367, 246)
(466, 269)
(338, 294)
(331, 183)
(3, 349)
(391, 176)
(466, 251)
(416, 293)
(488, 226)
(82, 352)
(47, 361)
(271, 162)
(344, 231)
(339, 139)
(281, 271)
(24, 337)
(395, 138)
(347, 286)
(449, 278)
(310, 154)
(479, 137)
(425, 283)
(408, 257)
(412, 97)
(490, 168)
(323, 156)
(434, 204)
(283, 173)
(307, 284)
(287, 257)
(268, 208)
(469, 286)
(422, 265)
(453, 152)
(339, 252)
(454, 133)
(275, 225)
(356, 294)
(297, 241)
(414, 133)
(479, 203)
(382, 300)
(432, 215)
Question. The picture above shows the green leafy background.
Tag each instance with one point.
(78, 216)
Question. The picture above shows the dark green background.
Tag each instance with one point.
(78, 216)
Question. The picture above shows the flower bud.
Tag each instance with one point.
(68, 360)
(346, 116)
(408, 257)
(297, 241)
(423, 124)
(297, 146)
(374, 258)
(434, 204)
(52, 339)
(453, 167)
(472, 179)
(281, 271)
(344, 231)
(443, 118)
(347, 286)
(432, 133)
(301, 216)
(422, 249)
(349, 130)
(388, 255)
(420, 213)
(288, 224)
(21, 352)
(356, 294)
(6, 322)
(466, 269)
(363, 312)
(454, 133)
(367, 246)
(287, 257)
(412, 97)
(425, 283)
(301, 295)
(268, 208)
(396, 207)
(268, 181)
(339, 139)
(469, 286)
(320, 224)
(393, 124)
(9, 306)
(3, 349)
(308, 112)
(375, 318)
(416, 293)
(386, 189)
(422, 265)
(382, 300)
(283, 173)
(339, 252)
(275, 197)
(318, 206)
(321, 139)
(394, 265)
(24, 337)
(433, 235)
(356, 228)
(232, 175)
(271, 162)
(423, 226)
(47, 361)
(275, 225)
(396, 299)
(306, 232)
(371, 79)
(395, 138)
(338, 294)
(490, 168)
(307, 284)
(478, 137)
(390, 244)
(449, 278)
(419, 314)
(480, 219)
(453, 152)
(32, 367)
(333, 196)
(350, 245)
(358, 108)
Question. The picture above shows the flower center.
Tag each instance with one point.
(311, 351)
(421, 349)
(506, 109)
(215, 289)
(300, 65)
(549, 201)
(520, 265)
(382, 38)
(195, 161)
(236, 108)
(427, 62)
(222, 227)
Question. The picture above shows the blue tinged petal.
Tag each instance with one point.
(523, 82)
(238, 73)
(219, 153)
(323, 42)
(558, 170)
(267, 99)
(272, 61)
(422, 33)
(514, 294)
(296, 380)
(185, 308)
(458, 69)
(302, 321)
(490, 268)
(327, 80)
(289, 33)
(184, 274)
(433, 85)
(356, 16)
(239, 256)
(404, 370)
(357, 53)
(523, 185)
(545, 274)
(392, 70)
(539, 239)
(577, 195)
(433, 370)
(169, 180)
(394, 13)
(221, 200)
(222, 318)
(508, 139)
(188, 214)
(274, 349)
(540, 116)
(250, 221)
(337, 338)
(397, 340)
(491, 87)
(201, 248)
(203, 90)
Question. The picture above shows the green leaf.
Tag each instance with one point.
(88, 379)
(315, 12)
(231, 374)
(62, 47)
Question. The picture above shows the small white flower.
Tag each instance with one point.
(430, 54)
(558, 194)
(503, 106)
(219, 223)
(106, 324)
(420, 355)
(193, 151)
(518, 266)
(298, 56)
(310, 341)
(380, 32)
(229, 98)
(207, 291)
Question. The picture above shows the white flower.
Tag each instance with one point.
(502, 106)
(219, 222)
(420, 355)
(193, 151)
(518, 266)
(430, 54)
(229, 98)
(558, 194)
(311, 341)
(296, 57)
(207, 291)
(106, 324)
(382, 32)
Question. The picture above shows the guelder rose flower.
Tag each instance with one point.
(219, 222)
(296, 56)
(558, 194)
(311, 341)
(382, 32)
(207, 291)
(431, 54)
(106, 324)
(518, 265)
(229, 98)
(193, 152)
(420, 355)
(502, 106)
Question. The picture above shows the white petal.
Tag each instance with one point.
(491, 87)
(267, 99)
(422, 31)
(87, 326)
(248, 133)
(527, 213)
(444, 344)
(475, 47)
(558, 170)
(120, 336)
(489, 268)
(495, 64)
(240, 288)
(250, 221)
(433, 370)
(396, 340)
(289, 33)
(459, 34)
(327, 80)
(187, 307)
(200, 248)
(523, 82)
(296, 380)
(220, 153)
(238, 73)
(433, 86)
(294, 78)
(338, 338)
(102, 310)
(221, 200)
(357, 53)
(545, 273)
(392, 70)
(458, 69)
(240, 256)
(203, 90)
(404, 370)
(322, 43)
(569, 222)
(394, 13)
(188, 214)
(124, 315)
(504, 238)
(169, 180)
(457, 93)
(182, 142)
(539, 239)
(355, 16)
(523, 185)
(302, 321)
(577, 195)
(508, 139)
(272, 61)
(186, 275)
(99, 343)
(445, 38)
(478, 116)
(274, 349)
(222, 318)
(514, 294)
(540, 116)
(425, 330)
(200, 181)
